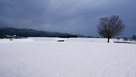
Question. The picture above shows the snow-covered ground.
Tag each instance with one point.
(67, 59)
(4, 41)
(122, 41)
(100, 40)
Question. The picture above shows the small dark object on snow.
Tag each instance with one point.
(61, 40)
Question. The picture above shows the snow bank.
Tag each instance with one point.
(22, 40)
(101, 40)
(121, 41)
(68, 59)
(132, 42)
(5, 41)
(15, 40)
(43, 38)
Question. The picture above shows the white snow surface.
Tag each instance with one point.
(5, 41)
(15, 40)
(132, 42)
(22, 40)
(100, 40)
(67, 59)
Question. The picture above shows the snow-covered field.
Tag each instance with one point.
(31, 58)
(123, 41)
(100, 40)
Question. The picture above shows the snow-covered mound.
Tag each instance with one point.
(100, 40)
(122, 41)
(43, 38)
(132, 42)
(22, 40)
(5, 41)
(14, 40)
(67, 59)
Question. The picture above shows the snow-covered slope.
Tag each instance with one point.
(67, 59)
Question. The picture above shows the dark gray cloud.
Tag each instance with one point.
(71, 16)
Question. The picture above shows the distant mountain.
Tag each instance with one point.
(33, 33)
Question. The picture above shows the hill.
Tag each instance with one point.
(32, 33)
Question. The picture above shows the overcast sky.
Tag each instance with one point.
(67, 16)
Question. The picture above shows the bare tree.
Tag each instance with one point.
(134, 37)
(110, 26)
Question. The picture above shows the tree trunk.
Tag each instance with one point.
(108, 40)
